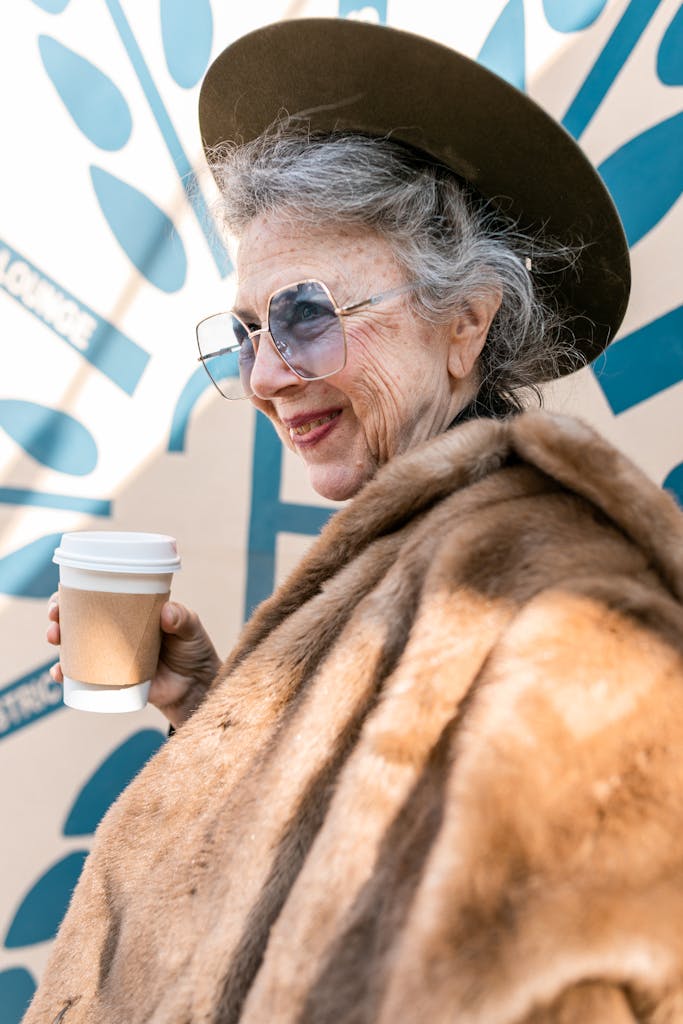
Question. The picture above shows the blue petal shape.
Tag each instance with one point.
(645, 176)
(643, 363)
(42, 909)
(52, 6)
(670, 54)
(95, 103)
(16, 992)
(110, 779)
(29, 571)
(504, 48)
(674, 483)
(187, 33)
(572, 15)
(49, 436)
(144, 232)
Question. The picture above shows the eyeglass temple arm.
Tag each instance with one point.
(218, 352)
(377, 298)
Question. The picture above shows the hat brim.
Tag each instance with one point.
(347, 75)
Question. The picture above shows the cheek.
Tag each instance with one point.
(390, 374)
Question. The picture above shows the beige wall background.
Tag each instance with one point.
(105, 420)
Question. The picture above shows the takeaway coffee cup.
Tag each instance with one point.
(111, 590)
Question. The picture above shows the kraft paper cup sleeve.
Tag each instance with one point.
(109, 639)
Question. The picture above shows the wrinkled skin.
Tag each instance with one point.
(405, 378)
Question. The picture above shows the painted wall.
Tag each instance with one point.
(107, 260)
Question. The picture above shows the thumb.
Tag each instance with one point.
(179, 620)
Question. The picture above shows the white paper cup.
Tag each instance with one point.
(112, 587)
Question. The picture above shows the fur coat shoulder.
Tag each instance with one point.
(438, 781)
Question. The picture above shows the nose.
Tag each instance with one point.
(270, 373)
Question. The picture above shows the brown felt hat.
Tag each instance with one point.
(346, 75)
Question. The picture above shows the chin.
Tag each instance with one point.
(336, 484)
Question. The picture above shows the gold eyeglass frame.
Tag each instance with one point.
(339, 311)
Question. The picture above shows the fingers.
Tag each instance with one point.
(56, 673)
(53, 635)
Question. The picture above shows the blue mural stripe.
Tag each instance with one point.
(17, 987)
(504, 49)
(110, 779)
(29, 571)
(42, 909)
(99, 342)
(305, 519)
(604, 71)
(43, 499)
(574, 16)
(270, 516)
(643, 363)
(51, 437)
(670, 53)
(29, 699)
(654, 156)
(145, 233)
(170, 136)
(187, 35)
(95, 103)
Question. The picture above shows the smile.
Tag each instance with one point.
(304, 431)
(305, 428)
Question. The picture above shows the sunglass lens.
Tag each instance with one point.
(306, 330)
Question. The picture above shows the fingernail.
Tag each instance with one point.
(174, 615)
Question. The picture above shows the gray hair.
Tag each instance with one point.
(442, 234)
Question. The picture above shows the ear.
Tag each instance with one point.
(469, 331)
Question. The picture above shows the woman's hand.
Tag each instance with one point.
(188, 661)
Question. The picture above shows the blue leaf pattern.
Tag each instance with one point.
(90, 96)
(49, 436)
(504, 50)
(187, 34)
(144, 232)
(41, 911)
(29, 571)
(572, 15)
(52, 6)
(643, 363)
(674, 483)
(670, 53)
(16, 992)
(110, 779)
(645, 176)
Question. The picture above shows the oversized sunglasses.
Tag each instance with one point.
(306, 327)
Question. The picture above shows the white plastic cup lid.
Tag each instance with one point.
(108, 551)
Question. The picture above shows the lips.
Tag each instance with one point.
(310, 427)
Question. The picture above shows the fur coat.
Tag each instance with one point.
(438, 781)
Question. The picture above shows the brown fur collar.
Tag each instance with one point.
(438, 779)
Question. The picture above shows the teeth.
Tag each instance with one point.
(306, 427)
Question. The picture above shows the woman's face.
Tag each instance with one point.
(395, 390)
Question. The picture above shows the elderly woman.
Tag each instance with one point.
(438, 779)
